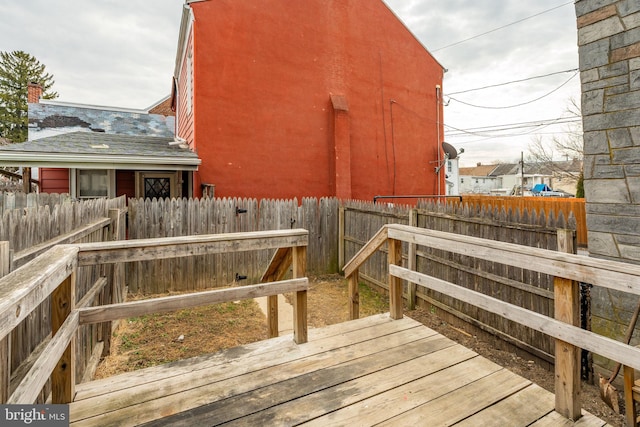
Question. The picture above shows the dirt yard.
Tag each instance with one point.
(156, 339)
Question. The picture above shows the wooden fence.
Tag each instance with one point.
(30, 231)
(566, 205)
(184, 217)
(359, 221)
(19, 200)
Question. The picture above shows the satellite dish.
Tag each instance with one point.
(450, 150)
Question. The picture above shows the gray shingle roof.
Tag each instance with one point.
(103, 144)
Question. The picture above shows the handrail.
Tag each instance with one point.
(183, 246)
(604, 346)
(22, 290)
(567, 269)
(616, 275)
(366, 251)
(110, 312)
(53, 273)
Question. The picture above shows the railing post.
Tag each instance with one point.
(63, 377)
(567, 363)
(341, 237)
(395, 284)
(299, 256)
(5, 343)
(354, 295)
(272, 316)
(412, 262)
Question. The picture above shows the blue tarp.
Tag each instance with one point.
(540, 187)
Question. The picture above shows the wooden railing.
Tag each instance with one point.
(568, 269)
(53, 273)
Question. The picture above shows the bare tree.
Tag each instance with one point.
(560, 154)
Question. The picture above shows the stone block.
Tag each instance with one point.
(597, 15)
(587, 166)
(632, 170)
(595, 142)
(620, 138)
(594, 54)
(627, 7)
(600, 30)
(589, 76)
(634, 80)
(606, 83)
(616, 90)
(593, 102)
(623, 101)
(607, 190)
(602, 244)
(611, 120)
(631, 21)
(587, 6)
(626, 156)
(634, 189)
(624, 39)
(634, 64)
(611, 224)
(607, 172)
(635, 135)
(612, 209)
(624, 53)
(613, 70)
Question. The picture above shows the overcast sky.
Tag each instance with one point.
(122, 53)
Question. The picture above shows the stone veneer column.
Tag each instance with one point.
(609, 49)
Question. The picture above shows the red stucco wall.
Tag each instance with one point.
(264, 73)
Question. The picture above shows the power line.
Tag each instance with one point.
(516, 105)
(511, 126)
(500, 28)
(512, 81)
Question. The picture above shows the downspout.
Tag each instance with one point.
(438, 133)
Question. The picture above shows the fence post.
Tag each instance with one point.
(412, 262)
(299, 257)
(395, 284)
(5, 343)
(63, 378)
(567, 363)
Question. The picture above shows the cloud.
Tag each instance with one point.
(122, 53)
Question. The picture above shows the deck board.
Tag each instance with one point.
(363, 372)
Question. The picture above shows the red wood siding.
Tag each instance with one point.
(125, 183)
(54, 180)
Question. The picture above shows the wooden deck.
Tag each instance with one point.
(371, 371)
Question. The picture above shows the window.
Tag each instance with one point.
(449, 166)
(158, 187)
(461, 180)
(93, 183)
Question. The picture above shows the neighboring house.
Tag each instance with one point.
(478, 179)
(315, 98)
(453, 177)
(90, 151)
(565, 175)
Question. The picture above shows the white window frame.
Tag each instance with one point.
(75, 183)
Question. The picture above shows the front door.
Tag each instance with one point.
(157, 185)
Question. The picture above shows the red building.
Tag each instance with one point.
(285, 99)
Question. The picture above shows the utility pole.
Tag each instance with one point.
(522, 173)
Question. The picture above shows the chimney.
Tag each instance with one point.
(34, 93)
